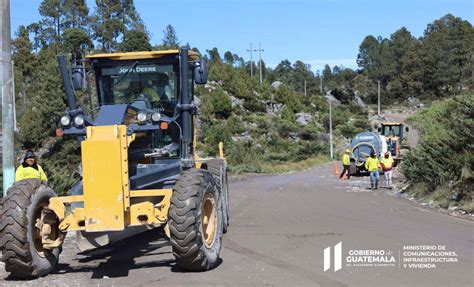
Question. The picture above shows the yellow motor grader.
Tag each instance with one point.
(397, 140)
(138, 165)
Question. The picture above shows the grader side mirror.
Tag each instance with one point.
(200, 72)
(77, 78)
(407, 129)
(379, 129)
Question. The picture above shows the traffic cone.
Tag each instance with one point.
(336, 168)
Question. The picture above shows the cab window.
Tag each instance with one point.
(147, 86)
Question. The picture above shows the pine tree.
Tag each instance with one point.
(229, 58)
(446, 55)
(76, 41)
(170, 39)
(369, 56)
(135, 40)
(112, 19)
(51, 11)
(402, 81)
(75, 13)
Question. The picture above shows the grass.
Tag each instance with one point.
(467, 206)
(294, 166)
(278, 168)
(440, 197)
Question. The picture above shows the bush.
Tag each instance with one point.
(213, 133)
(234, 125)
(222, 106)
(244, 157)
(444, 153)
(254, 105)
(61, 165)
(288, 114)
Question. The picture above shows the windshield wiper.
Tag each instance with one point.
(126, 73)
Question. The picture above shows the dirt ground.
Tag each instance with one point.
(280, 227)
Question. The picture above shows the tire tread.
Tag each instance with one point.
(185, 233)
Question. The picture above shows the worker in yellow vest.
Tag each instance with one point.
(387, 167)
(372, 165)
(30, 168)
(346, 164)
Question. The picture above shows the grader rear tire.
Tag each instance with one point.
(218, 169)
(195, 221)
(20, 243)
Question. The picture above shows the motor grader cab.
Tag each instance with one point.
(397, 141)
(139, 168)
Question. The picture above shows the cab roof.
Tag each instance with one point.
(141, 55)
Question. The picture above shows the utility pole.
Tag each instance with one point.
(305, 88)
(7, 97)
(15, 127)
(260, 50)
(378, 98)
(330, 130)
(251, 62)
(321, 83)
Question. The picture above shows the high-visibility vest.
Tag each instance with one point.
(152, 93)
(387, 163)
(346, 160)
(24, 172)
(372, 164)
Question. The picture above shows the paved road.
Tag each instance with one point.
(279, 229)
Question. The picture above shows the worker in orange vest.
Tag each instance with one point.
(387, 167)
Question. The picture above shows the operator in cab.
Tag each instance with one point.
(30, 168)
(136, 89)
(164, 100)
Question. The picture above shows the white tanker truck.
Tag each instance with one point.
(362, 145)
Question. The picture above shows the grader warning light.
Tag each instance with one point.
(139, 168)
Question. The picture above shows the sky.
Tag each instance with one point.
(317, 32)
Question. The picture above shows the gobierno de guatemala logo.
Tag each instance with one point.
(337, 257)
(358, 258)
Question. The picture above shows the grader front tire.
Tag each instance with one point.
(195, 221)
(22, 250)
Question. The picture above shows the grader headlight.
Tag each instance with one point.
(142, 117)
(79, 120)
(155, 116)
(65, 120)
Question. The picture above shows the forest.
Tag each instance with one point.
(273, 126)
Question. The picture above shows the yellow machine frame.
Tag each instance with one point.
(107, 196)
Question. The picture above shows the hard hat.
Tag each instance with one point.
(29, 154)
(347, 151)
